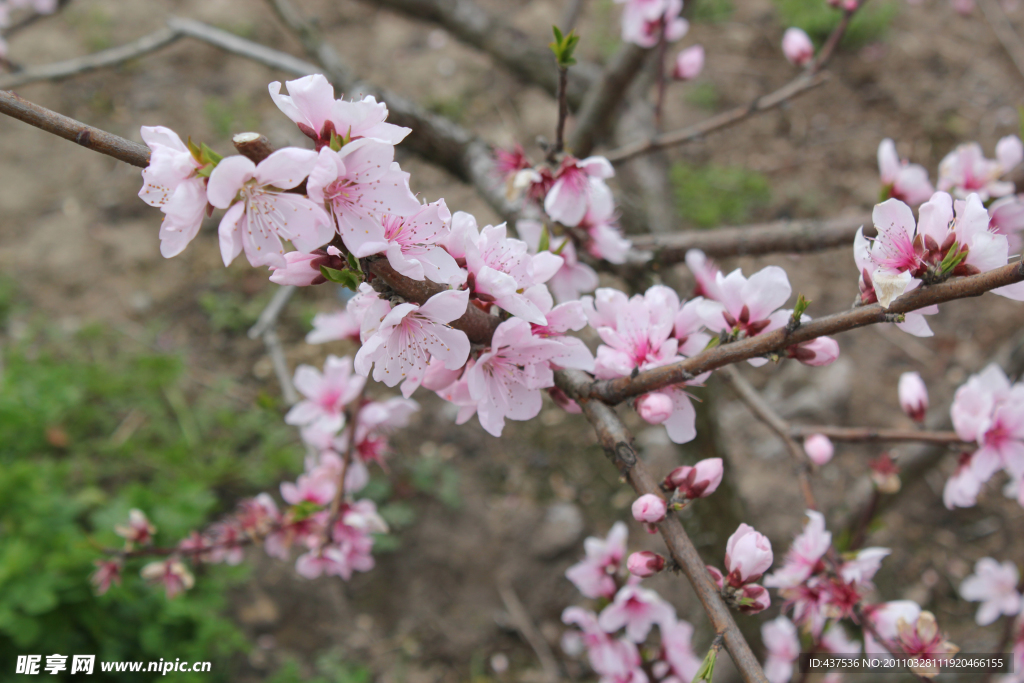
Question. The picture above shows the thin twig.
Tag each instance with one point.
(618, 445)
(268, 318)
(793, 89)
(659, 102)
(242, 47)
(524, 624)
(874, 434)
(1008, 37)
(563, 114)
(280, 363)
(766, 414)
(98, 60)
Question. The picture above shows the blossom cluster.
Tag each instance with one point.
(613, 637)
(333, 531)
(987, 410)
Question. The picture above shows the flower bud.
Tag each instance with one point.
(649, 509)
(699, 481)
(689, 63)
(913, 396)
(818, 448)
(654, 408)
(816, 353)
(885, 474)
(797, 46)
(748, 554)
(644, 564)
(754, 598)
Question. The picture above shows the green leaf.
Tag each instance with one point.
(336, 142)
(563, 47)
(353, 263)
(345, 278)
(208, 156)
(707, 667)
(194, 149)
(954, 257)
(545, 240)
(305, 509)
(801, 306)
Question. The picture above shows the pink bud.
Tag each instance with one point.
(754, 599)
(913, 396)
(817, 352)
(797, 46)
(963, 7)
(699, 481)
(649, 509)
(644, 564)
(298, 271)
(818, 448)
(748, 554)
(654, 408)
(689, 63)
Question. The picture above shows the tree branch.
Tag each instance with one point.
(765, 238)
(872, 434)
(618, 390)
(72, 67)
(507, 45)
(796, 87)
(618, 445)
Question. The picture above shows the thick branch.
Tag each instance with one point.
(507, 45)
(618, 390)
(872, 434)
(72, 67)
(95, 139)
(791, 90)
(618, 444)
(766, 238)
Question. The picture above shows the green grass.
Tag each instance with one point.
(710, 196)
(713, 11)
(89, 430)
(869, 25)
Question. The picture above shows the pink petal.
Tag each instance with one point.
(227, 179)
(286, 167)
(230, 234)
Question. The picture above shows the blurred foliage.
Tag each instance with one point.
(330, 668)
(231, 311)
(89, 430)
(712, 11)
(703, 95)
(868, 25)
(710, 196)
(453, 107)
(228, 118)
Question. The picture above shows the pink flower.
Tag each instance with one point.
(311, 105)
(748, 554)
(573, 278)
(637, 609)
(655, 407)
(326, 394)
(818, 448)
(107, 572)
(862, 567)
(171, 573)
(303, 270)
(689, 329)
(579, 185)
(914, 323)
(698, 481)
(1007, 218)
(138, 530)
(643, 21)
(677, 649)
(803, 557)
(645, 564)
(361, 184)
(606, 240)
(506, 380)
(410, 335)
(689, 63)
(226, 540)
(336, 326)
(963, 487)
(817, 352)
(705, 272)
(637, 332)
(317, 487)
(649, 509)
(835, 640)
(797, 46)
(965, 170)
(261, 212)
(783, 646)
(171, 184)
(885, 618)
(748, 307)
(994, 585)
(503, 270)
(922, 640)
(913, 396)
(413, 248)
(901, 179)
(592, 576)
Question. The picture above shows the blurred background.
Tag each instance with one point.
(128, 380)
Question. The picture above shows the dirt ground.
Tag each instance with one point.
(85, 249)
